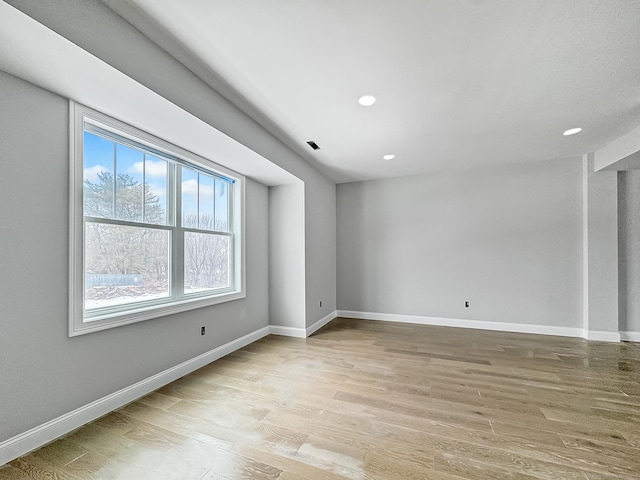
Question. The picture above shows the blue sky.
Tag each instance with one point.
(204, 194)
(209, 198)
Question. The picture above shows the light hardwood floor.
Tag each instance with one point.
(374, 400)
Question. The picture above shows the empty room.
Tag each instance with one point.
(320, 239)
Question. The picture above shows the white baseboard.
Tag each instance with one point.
(630, 336)
(603, 336)
(497, 326)
(287, 331)
(36, 437)
(459, 323)
(321, 323)
(302, 332)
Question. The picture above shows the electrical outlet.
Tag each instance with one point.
(201, 330)
(466, 304)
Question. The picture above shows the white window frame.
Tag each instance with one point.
(80, 324)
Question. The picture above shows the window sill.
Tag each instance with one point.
(108, 321)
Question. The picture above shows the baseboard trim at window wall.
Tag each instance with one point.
(630, 336)
(321, 323)
(36, 437)
(287, 331)
(600, 336)
(302, 332)
(496, 326)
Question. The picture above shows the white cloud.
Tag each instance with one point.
(158, 190)
(91, 173)
(190, 187)
(152, 169)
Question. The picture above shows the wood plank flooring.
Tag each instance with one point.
(374, 400)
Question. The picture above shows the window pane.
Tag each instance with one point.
(98, 176)
(222, 205)
(206, 261)
(205, 195)
(129, 183)
(124, 264)
(189, 198)
(155, 190)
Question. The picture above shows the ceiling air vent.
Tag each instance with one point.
(313, 145)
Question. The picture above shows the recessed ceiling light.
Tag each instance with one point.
(572, 131)
(367, 100)
(390, 156)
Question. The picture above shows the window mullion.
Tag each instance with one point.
(202, 230)
(125, 223)
(115, 175)
(178, 235)
(144, 184)
(231, 229)
(214, 224)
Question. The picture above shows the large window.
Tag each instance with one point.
(154, 229)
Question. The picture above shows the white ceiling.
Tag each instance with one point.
(71, 72)
(459, 83)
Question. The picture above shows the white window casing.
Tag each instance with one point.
(213, 233)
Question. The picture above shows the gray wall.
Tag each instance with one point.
(509, 240)
(320, 245)
(629, 249)
(96, 28)
(286, 256)
(602, 244)
(44, 373)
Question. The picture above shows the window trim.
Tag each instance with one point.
(138, 313)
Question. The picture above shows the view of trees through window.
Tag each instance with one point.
(133, 241)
